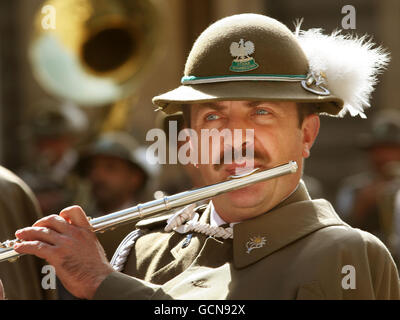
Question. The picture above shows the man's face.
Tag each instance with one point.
(114, 181)
(278, 138)
(52, 149)
(382, 156)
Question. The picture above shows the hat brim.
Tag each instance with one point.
(172, 101)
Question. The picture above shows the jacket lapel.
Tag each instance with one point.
(294, 218)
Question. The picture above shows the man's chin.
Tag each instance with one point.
(248, 197)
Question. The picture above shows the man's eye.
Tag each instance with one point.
(212, 117)
(261, 112)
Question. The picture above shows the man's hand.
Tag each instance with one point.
(2, 296)
(67, 242)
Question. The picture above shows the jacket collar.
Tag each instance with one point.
(295, 217)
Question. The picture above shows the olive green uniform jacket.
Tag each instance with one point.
(300, 249)
(19, 209)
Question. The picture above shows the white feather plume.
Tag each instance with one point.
(351, 65)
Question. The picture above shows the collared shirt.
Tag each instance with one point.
(215, 219)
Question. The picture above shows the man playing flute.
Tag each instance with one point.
(270, 240)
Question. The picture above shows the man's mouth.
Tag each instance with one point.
(235, 169)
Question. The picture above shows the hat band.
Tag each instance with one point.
(247, 77)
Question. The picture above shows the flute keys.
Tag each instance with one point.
(9, 243)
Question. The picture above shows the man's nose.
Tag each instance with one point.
(242, 136)
(241, 145)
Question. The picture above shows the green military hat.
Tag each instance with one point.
(52, 118)
(255, 57)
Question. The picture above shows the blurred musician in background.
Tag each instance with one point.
(56, 128)
(119, 177)
(367, 199)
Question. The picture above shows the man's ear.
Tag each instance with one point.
(310, 129)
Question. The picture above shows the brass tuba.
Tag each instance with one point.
(93, 52)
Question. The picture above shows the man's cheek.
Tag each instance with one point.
(208, 173)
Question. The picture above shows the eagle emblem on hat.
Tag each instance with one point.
(241, 51)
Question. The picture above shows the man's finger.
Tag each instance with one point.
(54, 222)
(76, 216)
(38, 233)
(37, 248)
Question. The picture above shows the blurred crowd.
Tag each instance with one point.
(370, 200)
(110, 173)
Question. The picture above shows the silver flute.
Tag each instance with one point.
(154, 207)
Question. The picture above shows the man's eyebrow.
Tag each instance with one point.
(254, 103)
(212, 105)
(218, 106)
